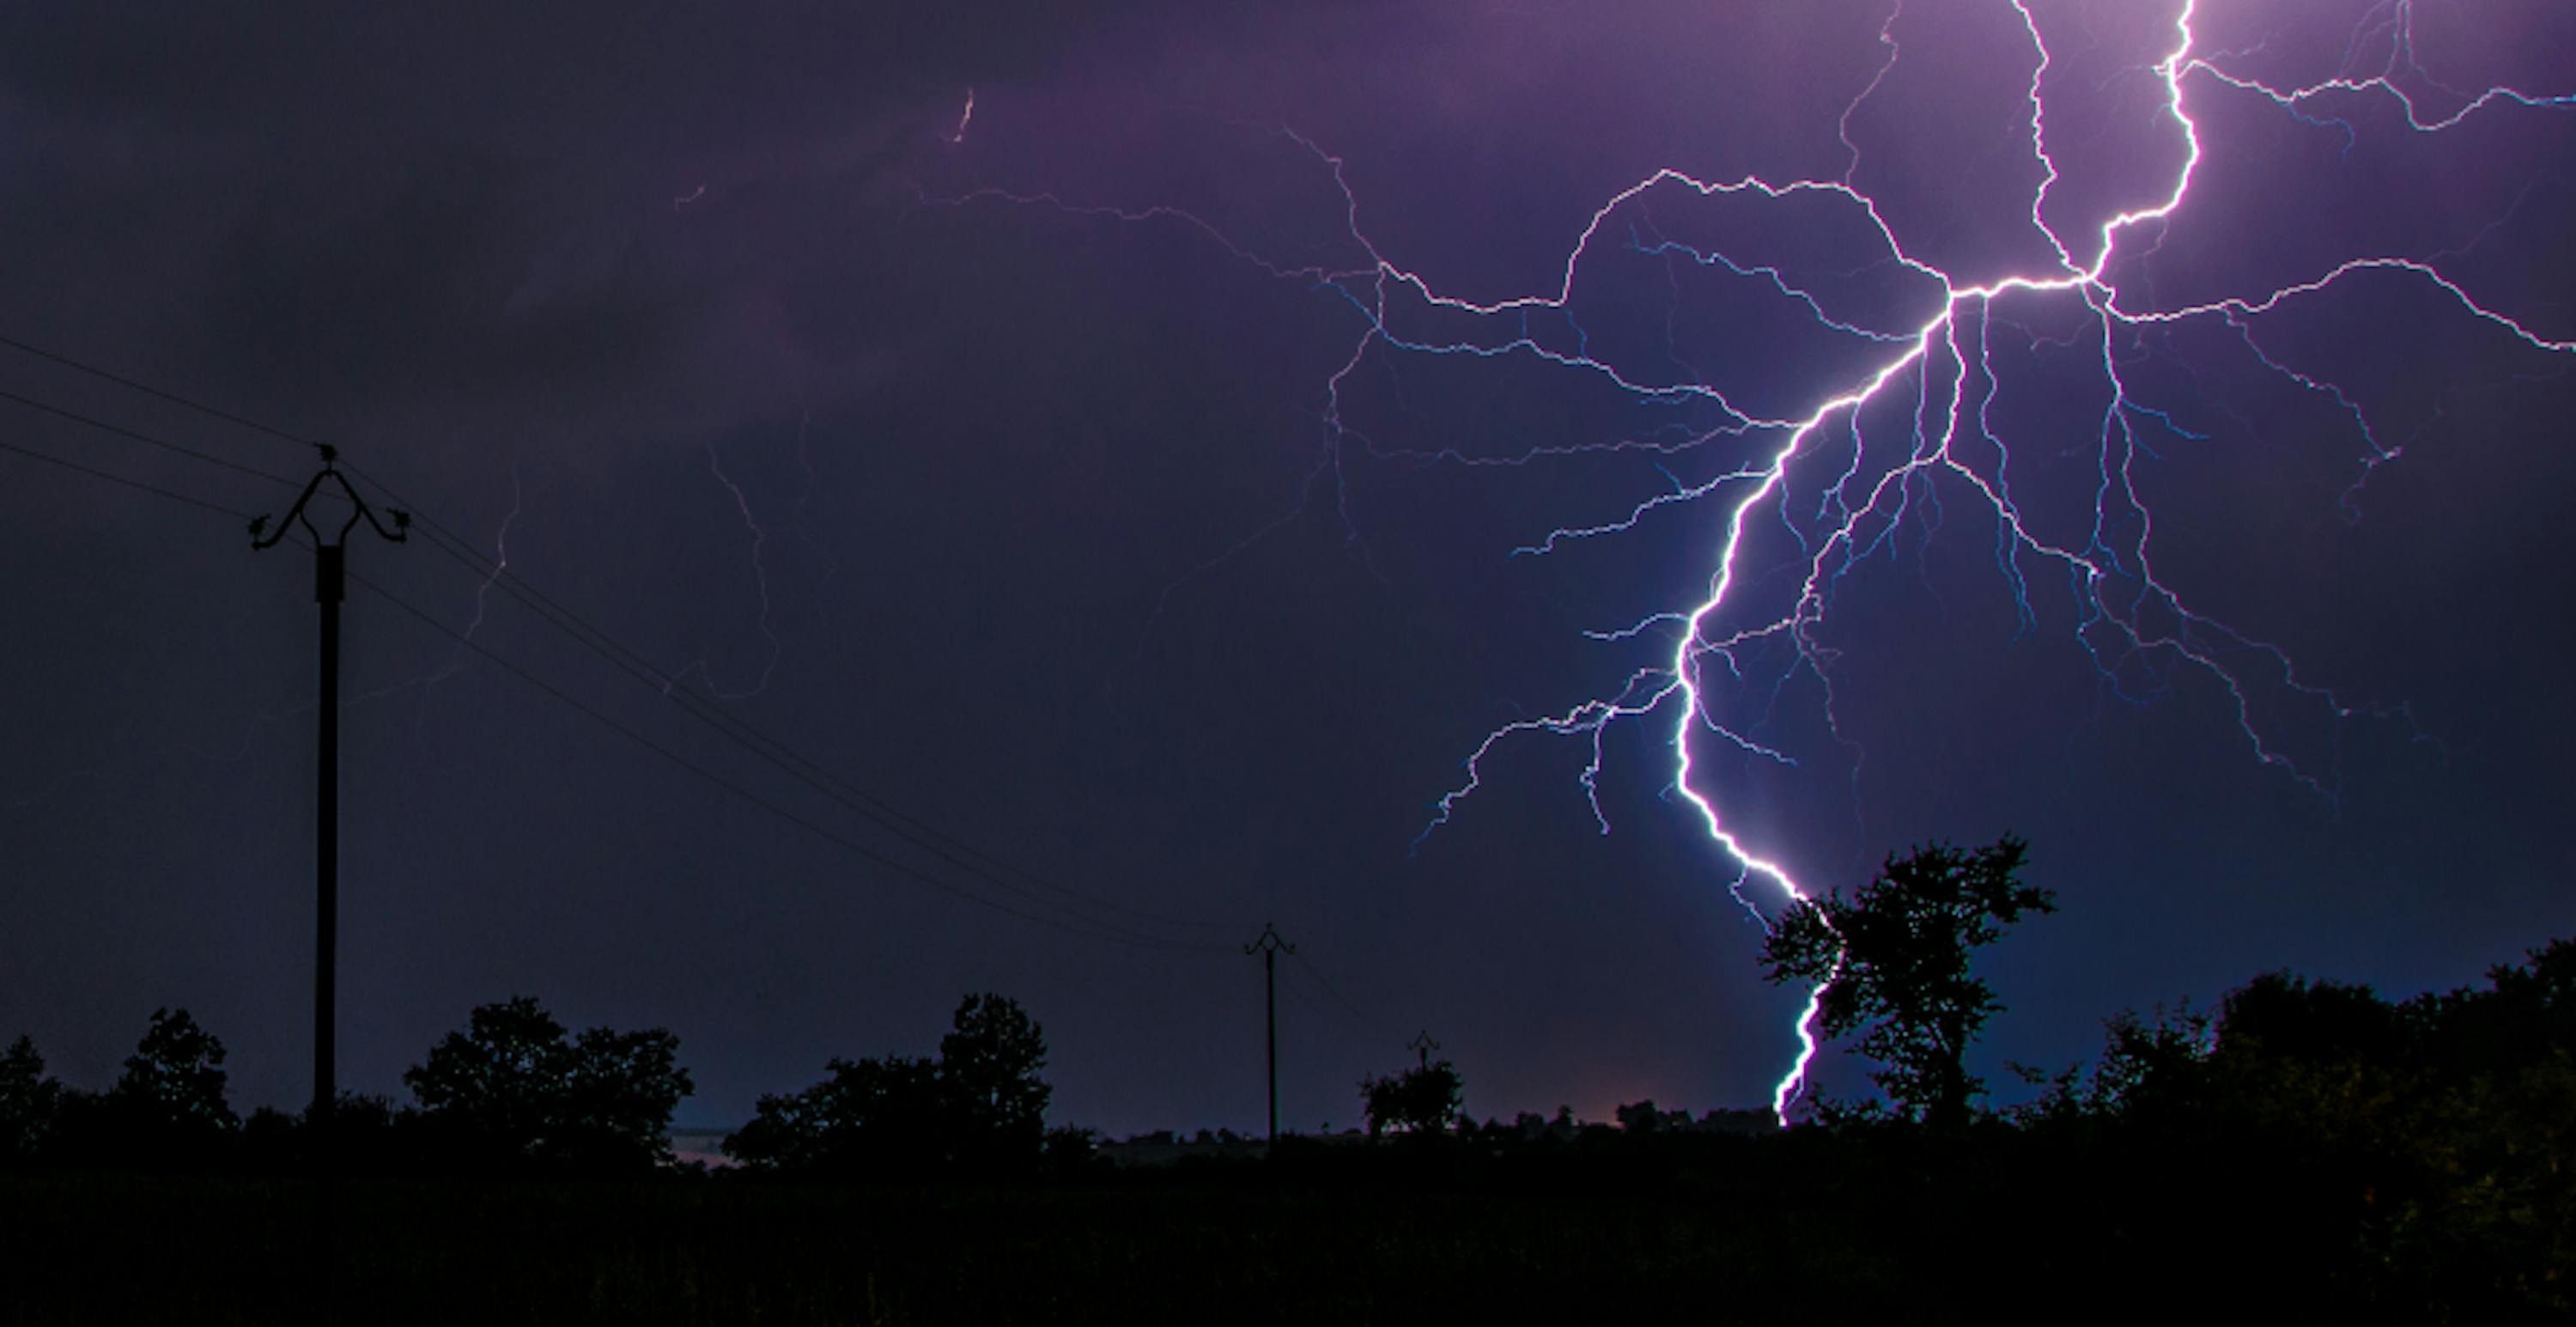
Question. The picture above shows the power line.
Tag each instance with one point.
(148, 440)
(957, 852)
(1329, 989)
(1069, 921)
(153, 489)
(1076, 924)
(155, 393)
(868, 806)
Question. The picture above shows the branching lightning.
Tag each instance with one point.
(2135, 628)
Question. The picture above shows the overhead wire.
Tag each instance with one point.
(96, 473)
(1075, 924)
(148, 440)
(861, 850)
(147, 389)
(955, 851)
(1344, 1001)
(947, 847)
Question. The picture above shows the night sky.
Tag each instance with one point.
(1139, 479)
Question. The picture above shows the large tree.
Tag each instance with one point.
(1894, 956)
(515, 1085)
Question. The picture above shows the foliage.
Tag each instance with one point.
(513, 1085)
(1894, 957)
(2445, 1125)
(2147, 1069)
(504, 1075)
(167, 1109)
(980, 1107)
(988, 1071)
(1070, 1149)
(877, 1115)
(175, 1078)
(2424, 1150)
(1426, 1099)
(28, 1102)
(624, 1087)
(2150, 1066)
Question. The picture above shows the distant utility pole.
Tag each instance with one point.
(1422, 1045)
(330, 584)
(1268, 946)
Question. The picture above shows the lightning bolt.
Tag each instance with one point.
(456, 655)
(760, 579)
(2138, 631)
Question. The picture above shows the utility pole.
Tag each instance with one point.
(1422, 1045)
(330, 585)
(1268, 946)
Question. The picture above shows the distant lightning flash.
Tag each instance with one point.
(2128, 621)
(456, 655)
(760, 578)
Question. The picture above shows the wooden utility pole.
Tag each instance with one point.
(330, 586)
(1268, 946)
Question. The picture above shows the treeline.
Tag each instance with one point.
(512, 1091)
(2410, 1160)
(2425, 1148)
(2414, 1155)
(977, 1111)
(515, 1092)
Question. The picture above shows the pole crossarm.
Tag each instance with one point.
(261, 536)
(1269, 943)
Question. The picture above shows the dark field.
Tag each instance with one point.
(222, 1250)
(1739, 1230)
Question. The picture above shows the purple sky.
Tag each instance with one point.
(1130, 487)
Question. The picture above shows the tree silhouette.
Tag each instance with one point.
(175, 1078)
(988, 1068)
(979, 1106)
(2146, 1065)
(502, 1076)
(617, 1108)
(1425, 1099)
(866, 1116)
(29, 1102)
(513, 1085)
(1894, 958)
